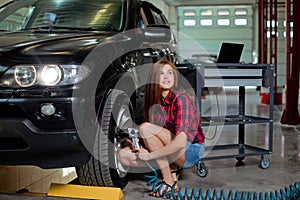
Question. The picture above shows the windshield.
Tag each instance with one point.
(98, 15)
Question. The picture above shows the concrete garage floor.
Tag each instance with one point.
(223, 173)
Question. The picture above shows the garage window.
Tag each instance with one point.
(240, 22)
(206, 22)
(223, 22)
(223, 12)
(272, 23)
(240, 12)
(189, 13)
(189, 22)
(206, 12)
(291, 24)
(291, 34)
(273, 33)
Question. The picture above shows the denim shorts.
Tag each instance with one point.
(193, 154)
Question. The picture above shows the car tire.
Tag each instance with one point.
(104, 168)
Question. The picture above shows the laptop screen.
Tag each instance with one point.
(230, 53)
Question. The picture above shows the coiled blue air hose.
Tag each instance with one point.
(288, 193)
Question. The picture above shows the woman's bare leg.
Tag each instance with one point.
(162, 138)
(155, 138)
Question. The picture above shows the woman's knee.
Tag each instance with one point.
(143, 129)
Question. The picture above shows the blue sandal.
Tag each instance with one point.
(160, 191)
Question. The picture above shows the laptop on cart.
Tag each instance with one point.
(230, 52)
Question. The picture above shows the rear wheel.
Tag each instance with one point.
(104, 168)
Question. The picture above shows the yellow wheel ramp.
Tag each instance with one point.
(85, 192)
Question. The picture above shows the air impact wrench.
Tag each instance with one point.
(133, 135)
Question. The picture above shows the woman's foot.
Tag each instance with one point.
(164, 189)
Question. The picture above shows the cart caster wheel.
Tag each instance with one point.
(239, 163)
(265, 162)
(240, 159)
(202, 170)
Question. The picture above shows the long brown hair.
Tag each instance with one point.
(153, 90)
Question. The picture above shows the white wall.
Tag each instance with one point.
(211, 36)
(210, 39)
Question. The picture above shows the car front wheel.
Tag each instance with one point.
(104, 168)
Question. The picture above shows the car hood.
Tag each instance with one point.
(49, 43)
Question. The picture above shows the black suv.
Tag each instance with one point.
(72, 74)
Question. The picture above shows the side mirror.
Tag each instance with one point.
(157, 33)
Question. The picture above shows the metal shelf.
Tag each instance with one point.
(203, 75)
(232, 119)
(234, 151)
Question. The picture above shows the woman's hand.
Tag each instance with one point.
(144, 155)
(132, 146)
(140, 153)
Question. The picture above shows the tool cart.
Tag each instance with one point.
(218, 75)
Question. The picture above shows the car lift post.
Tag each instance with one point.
(268, 44)
(291, 114)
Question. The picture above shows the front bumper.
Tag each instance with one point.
(29, 138)
(22, 143)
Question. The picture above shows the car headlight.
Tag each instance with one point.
(25, 76)
(51, 75)
(43, 75)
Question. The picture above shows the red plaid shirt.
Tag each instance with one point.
(177, 113)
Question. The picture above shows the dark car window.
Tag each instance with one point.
(108, 15)
(154, 15)
(158, 18)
